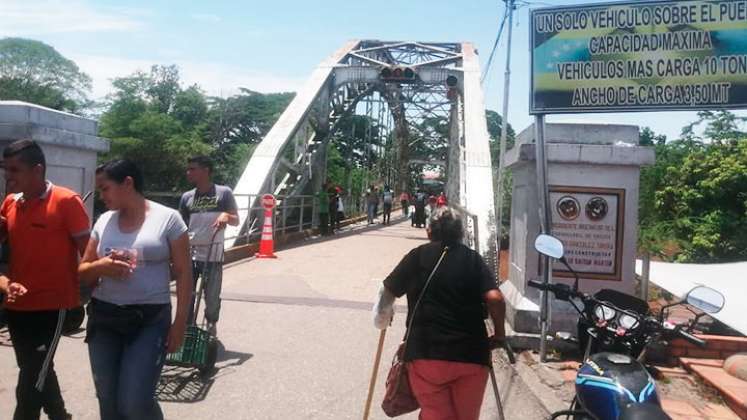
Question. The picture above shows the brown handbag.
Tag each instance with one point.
(399, 399)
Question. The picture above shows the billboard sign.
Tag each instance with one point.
(639, 56)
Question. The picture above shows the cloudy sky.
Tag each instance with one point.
(271, 46)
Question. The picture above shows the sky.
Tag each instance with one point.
(273, 46)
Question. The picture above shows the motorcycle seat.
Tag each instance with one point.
(643, 412)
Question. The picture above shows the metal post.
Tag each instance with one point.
(645, 273)
(314, 212)
(504, 132)
(285, 213)
(300, 218)
(545, 226)
(248, 216)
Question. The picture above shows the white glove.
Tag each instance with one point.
(383, 309)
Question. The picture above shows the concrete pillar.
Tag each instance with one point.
(593, 174)
(454, 170)
(70, 143)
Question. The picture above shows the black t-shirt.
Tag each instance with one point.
(449, 323)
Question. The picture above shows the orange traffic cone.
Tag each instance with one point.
(267, 244)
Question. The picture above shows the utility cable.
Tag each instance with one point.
(495, 45)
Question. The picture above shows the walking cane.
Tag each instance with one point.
(374, 374)
(497, 394)
(511, 359)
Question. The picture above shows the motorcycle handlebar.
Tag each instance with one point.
(691, 338)
(561, 291)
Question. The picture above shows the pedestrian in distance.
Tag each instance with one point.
(135, 249)
(419, 214)
(372, 200)
(207, 209)
(323, 201)
(388, 200)
(47, 227)
(447, 349)
(340, 208)
(404, 200)
(430, 209)
(377, 194)
(334, 198)
(441, 200)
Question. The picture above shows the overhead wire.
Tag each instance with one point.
(495, 44)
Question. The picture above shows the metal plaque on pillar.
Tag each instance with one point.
(590, 223)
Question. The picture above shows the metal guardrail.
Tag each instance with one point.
(291, 214)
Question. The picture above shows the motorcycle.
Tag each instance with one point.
(614, 331)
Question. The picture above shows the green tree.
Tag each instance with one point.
(153, 121)
(33, 71)
(246, 117)
(163, 87)
(233, 127)
(353, 156)
(693, 205)
(705, 200)
(190, 107)
(495, 126)
(647, 137)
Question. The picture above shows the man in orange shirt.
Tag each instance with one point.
(47, 228)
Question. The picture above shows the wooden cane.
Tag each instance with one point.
(375, 373)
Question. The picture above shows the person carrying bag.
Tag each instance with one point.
(399, 398)
(442, 365)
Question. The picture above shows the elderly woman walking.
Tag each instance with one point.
(448, 349)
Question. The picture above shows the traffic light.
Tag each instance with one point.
(398, 74)
(453, 92)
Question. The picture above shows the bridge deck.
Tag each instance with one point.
(297, 340)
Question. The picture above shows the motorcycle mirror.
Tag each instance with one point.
(706, 299)
(549, 245)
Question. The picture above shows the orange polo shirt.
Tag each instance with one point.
(43, 256)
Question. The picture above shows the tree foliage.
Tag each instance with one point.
(32, 71)
(495, 126)
(693, 205)
(153, 120)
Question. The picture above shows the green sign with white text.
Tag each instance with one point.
(642, 56)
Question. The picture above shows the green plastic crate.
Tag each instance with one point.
(194, 349)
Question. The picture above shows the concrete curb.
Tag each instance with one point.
(544, 394)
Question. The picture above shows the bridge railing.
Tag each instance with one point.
(292, 213)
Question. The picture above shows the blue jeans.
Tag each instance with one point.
(126, 368)
(371, 212)
(210, 292)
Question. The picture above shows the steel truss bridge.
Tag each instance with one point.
(405, 93)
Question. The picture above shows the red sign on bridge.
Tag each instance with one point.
(268, 201)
